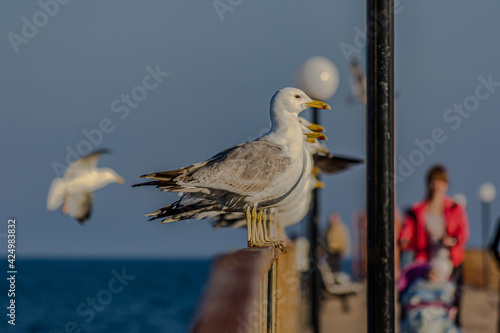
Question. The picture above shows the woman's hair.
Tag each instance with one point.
(437, 172)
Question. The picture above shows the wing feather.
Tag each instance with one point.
(244, 169)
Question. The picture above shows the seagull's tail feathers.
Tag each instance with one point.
(232, 220)
(169, 186)
(168, 176)
(334, 164)
(168, 180)
(55, 197)
(177, 212)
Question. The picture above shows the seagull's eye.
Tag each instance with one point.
(297, 96)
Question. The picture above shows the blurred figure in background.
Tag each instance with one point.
(337, 241)
(427, 302)
(437, 223)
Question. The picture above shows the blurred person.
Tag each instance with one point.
(337, 241)
(428, 301)
(437, 223)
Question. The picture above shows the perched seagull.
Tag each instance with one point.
(295, 207)
(250, 177)
(74, 190)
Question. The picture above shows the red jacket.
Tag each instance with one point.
(413, 231)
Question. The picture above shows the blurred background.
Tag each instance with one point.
(64, 76)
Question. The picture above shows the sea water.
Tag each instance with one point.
(104, 296)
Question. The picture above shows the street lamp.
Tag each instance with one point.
(487, 193)
(319, 79)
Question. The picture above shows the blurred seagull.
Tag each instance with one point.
(358, 84)
(250, 177)
(358, 81)
(74, 190)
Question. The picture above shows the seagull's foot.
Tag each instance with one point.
(280, 244)
(260, 244)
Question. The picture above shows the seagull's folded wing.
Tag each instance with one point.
(245, 169)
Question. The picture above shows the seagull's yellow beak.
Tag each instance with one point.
(319, 184)
(318, 105)
(316, 135)
(316, 127)
(120, 180)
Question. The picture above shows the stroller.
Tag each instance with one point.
(426, 299)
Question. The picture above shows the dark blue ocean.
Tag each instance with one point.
(104, 296)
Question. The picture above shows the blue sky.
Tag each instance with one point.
(66, 77)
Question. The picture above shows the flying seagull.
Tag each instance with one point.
(358, 81)
(250, 177)
(74, 190)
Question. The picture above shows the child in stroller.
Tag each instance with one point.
(426, 294)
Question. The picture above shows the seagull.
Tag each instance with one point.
(250, 177)
(295, 207)
(358, 81)
(74, 190)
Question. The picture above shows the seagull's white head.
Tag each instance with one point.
(108, 175)
(294, 101)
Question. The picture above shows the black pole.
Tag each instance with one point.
(485, 212)
(494, 249)
(380, 165)
(314, 277)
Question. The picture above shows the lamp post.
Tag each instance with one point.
(487, 193)
(319, 79)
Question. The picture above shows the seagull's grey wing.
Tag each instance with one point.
(87, 162)
(245, 169)
(79, 206)
(333, 164)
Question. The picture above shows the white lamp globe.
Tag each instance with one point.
(461, 199)
(487, 192)
(318, 78)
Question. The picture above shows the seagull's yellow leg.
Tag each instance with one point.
(275, 227)
(248, 216)
(260, 226)
(272, 225)
(266, 230)
(254, 225)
